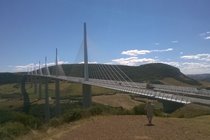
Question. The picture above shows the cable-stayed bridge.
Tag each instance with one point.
(112, 77)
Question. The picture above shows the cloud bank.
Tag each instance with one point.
(31, 66)
(201, 57)
(142, 52)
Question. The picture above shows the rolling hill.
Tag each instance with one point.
(8, 78)
(151, 73)
(200, 77)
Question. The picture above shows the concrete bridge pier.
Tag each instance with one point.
(40, 88)
(35, 86)
(87, 101)
(169, 106)
(47, 109)
(57, 97)
(26, 100)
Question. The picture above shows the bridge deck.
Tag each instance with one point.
(169, 94)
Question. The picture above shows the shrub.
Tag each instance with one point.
(139, 110)
(55, 122)
(10, 130)
(27, 120)
(72, 115)
(159, 112)
(96, 110)
(37, 111)
(5, 116)
(12, 116)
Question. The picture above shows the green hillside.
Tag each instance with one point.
(151, 73)
(7, 78)
(200, 77)
(143, 73)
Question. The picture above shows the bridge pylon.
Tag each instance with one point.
(86, 88)
(57, 87)
(47, 108)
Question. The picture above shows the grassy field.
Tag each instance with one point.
(190, 111)
(14, 123)
(127, 128)
(172, 81)
(70, 89)
(9, 88)
(117, 100)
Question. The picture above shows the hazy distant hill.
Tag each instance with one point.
(145, 73)
(200, 77)
(148, 72)
(6, 78)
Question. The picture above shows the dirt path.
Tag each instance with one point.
(131, 128)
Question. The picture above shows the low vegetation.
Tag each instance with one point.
(9, 78)
(191, 110)
(13, 122)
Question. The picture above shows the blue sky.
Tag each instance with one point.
(130, 32)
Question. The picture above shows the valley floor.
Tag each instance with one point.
(128, 128)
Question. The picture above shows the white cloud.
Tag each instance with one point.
(133, 61)
(135, 52)
(31, 67)
(207, 37)
(190, 67)
(142, 52)
(185, 67)
(175, 41)
(195, 68)
(165, 50)
(157, 43)
(90, 62)
(201, 57)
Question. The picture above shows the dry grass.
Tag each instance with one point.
(172, 81)
(128, 128)
(116, 100)
(205, 83)
(9, 88)
(191, 110)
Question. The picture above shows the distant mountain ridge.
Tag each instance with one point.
(7, 78)
(151, 73)
(200, 77)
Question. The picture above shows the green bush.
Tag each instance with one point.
(139, 110)
(10, 130)
(55, 122)
(5, 116)
(37, 110)
(72, 115)
(96, 110)
(12, 116)
(27, 120)
(159, 112)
